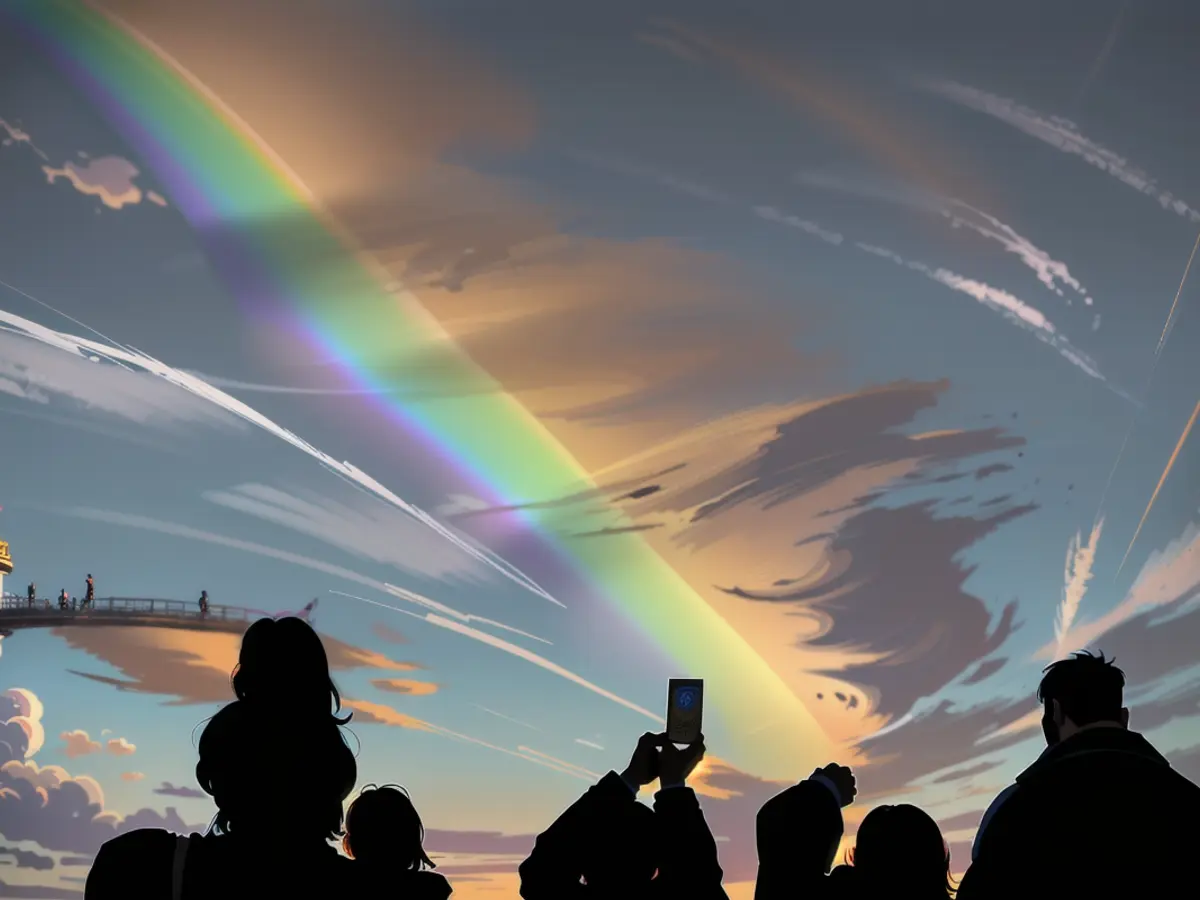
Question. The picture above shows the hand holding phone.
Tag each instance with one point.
(685, 710)
(643, 765)
(675, 765)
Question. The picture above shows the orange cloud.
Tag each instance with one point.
(132, 776)
(388, 633)
(404, 686)
(78, 743)
(368, 713)
(121, 747)
(192, 667)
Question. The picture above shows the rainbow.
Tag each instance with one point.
(217, 172)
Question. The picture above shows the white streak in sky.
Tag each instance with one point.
(1015, 310)
(492, 712)
(1060, 133)
(287, 389)
(90, 350)
(148, 524)
(771, 214)
(591, 744)
(520, 652)
(1076, 575)
(1049, 271)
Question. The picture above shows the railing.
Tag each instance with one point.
(14, 607)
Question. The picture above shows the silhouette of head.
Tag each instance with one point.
(902, 846)
(1081, 691)
(621, 852)
(275, 778)
(282, 662)
(382, 826)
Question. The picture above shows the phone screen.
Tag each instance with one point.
(685, 709)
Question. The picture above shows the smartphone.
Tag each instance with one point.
(685, 709)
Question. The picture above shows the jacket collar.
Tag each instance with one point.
(1095, 740)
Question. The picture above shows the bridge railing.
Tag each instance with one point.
(13, 606)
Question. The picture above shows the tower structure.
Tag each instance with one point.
(6, 565)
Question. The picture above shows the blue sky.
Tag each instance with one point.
(800, 264)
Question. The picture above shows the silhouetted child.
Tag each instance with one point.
(384, 836)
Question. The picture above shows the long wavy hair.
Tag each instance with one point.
(902, 846)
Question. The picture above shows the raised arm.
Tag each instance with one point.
(553, 869)
(798, 833)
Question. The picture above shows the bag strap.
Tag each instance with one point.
(181, 850)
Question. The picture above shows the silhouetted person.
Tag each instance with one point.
(283, 661)
(384, 835)
(607, 844)
(204, 604)
(90, 597)
(31, 594)
(64, 602)
(1099, 814)
(278, 770)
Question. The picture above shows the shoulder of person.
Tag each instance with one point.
(141, 856)
(431, 886)
(139, 842)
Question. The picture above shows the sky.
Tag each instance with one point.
(866, 328)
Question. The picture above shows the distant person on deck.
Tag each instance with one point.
(203, 604)
(899, 850)
(31, 594)
(1099, 814)
(90, 596)
(64, 602)
(384, 835)
(609, 845)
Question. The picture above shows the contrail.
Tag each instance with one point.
(1102, 56)
(135, 360)
(520, 652)
(1179, 293)
(1162, 342)
(1076, 575)
(286, 389)
(1167, 471)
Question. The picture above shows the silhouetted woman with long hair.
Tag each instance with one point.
(278, 769)
(899, 850)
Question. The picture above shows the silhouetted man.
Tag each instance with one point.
(1099, 814)
(90, 596)
(203, 604)
(31, 594)
(64, 602)
(608, 845)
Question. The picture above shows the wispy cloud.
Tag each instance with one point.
(1078, 572)
(771, 214)
(500, 715)
(16, 135)
(1060, 133)
(362, 528)
(1012, 308)
(137, 362)
(1051, 272)
(184, 531)
(258, 388)
(592, 744)
(446, 618)
(1015, 310)
(520, 652)
(665, 42)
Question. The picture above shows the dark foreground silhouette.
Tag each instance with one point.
(607, 844)
(1100, 814)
